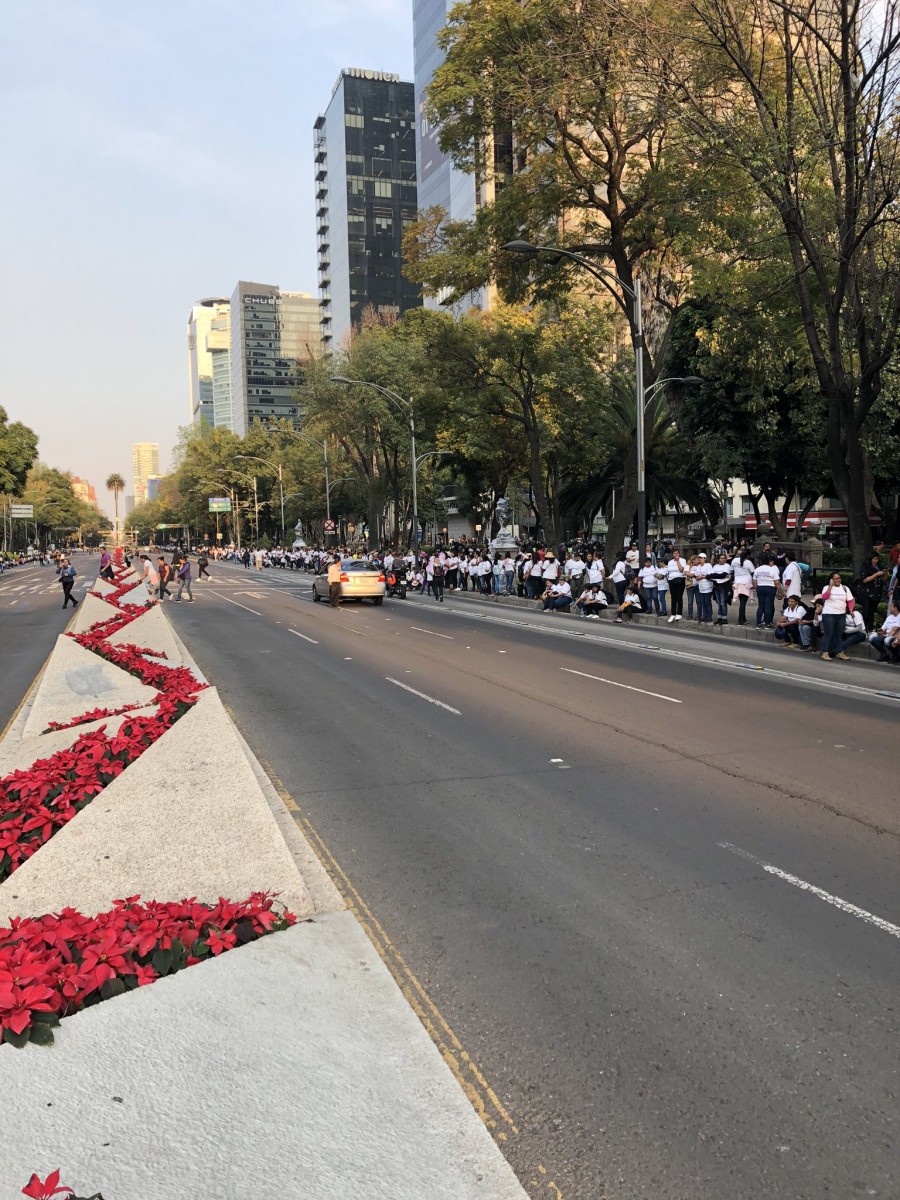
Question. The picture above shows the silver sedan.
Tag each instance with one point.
(360, 580)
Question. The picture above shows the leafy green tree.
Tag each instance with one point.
(56, 507)
(758, 414)
(18, 453)
(802, 100)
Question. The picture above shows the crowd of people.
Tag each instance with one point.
(668, 582)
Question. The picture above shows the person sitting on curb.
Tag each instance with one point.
(854, 632)
(789, 622)
(886, 642)
(631, 603)
(592, 601)
(557, 596)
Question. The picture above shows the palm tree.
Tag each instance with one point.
(115, 484)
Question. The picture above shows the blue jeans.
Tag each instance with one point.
(832, 632)
(661, 601)
(621, 586)
(765, 606)
(721, 590)
(508, 577)
(651, 599)
(704, 606)
(691, 593)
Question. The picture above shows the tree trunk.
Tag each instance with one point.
(626, 515)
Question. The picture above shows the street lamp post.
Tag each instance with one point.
(279, 470)
(607, 278)
(323, 446)
(406, 407)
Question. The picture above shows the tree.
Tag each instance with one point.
(580, 96)
(534, 378)
(18, 453)
(758, 414)
(802, 99)
(115, 484)
(56, 507)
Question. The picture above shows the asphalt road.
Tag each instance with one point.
(654, 893)
(31, 618)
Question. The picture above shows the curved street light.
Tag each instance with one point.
(406, 407)
(277, 468)
(608, 279)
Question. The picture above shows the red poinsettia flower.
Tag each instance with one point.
(47, 1189)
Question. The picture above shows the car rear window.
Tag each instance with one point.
(358, 564)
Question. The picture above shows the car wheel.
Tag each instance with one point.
(316, 596)
(378, 599)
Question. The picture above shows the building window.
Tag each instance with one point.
(354, 120)
(746, 506)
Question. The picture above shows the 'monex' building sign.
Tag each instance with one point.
(357, 73)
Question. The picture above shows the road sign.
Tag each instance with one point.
(25, 511)
(329, 526)
(219, 504)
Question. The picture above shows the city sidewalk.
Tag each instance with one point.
(288, 1068)
(747, 635)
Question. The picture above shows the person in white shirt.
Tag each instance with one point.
(704, 584)
(854, 631)
(451, 572)
(662, 588)
(631, 603)
(596, 571)
(557, 596)
(676, 573)
(647, 576)
(632, 557)
(536, 577)
(551, 568)
(575, 568)
(486, 574)
(792, 578)
(742, 568)
(790, 621)
(766, 581)
(886, 642)
(508, 574)
(592, 601)
(619, 579)
(838, 601)
(721, 581)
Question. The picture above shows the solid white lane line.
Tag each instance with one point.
(836, 901)
(422, 696)
(626, 686)
(418, 629)
(303, 635)
(235, 603)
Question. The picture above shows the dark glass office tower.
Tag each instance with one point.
(365, 164)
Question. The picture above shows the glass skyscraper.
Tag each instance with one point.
(441, 184)
(272, 334)
(365, 173)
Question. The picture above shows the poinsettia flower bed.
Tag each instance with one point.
(56, 965)
(96, 714)
(47, 1189)
(36, 802)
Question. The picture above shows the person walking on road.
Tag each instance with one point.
(165, 574)
(202, 564)
(66, 573)
(183, 576)
(106, 566)
(334, 582)
(437, 580)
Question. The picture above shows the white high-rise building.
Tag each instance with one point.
(144, 463)
(201, 319)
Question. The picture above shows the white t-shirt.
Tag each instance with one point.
(890, 624)
(632, 599)
(792, 580)
(794, 615)
(647, 576)
(574, 568)
(675, 568)
(596, 570)
(632, 557)
(853, 622)
(766, 575)
(618, 575)
(743, 570)
(837, 600)
(662, 579)
(551, 568)
(537, 569)
(701, 574)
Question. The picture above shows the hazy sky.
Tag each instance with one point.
(153, 154)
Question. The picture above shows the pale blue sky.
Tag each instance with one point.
(153, 154)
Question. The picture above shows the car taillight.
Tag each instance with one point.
(381, 579)
(344, 577)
